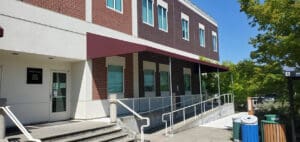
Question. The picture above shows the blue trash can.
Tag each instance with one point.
(249, 128)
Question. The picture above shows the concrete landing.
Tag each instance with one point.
(60, 128)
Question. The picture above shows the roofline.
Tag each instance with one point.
(200, 12)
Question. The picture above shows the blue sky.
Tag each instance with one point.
(234, 31)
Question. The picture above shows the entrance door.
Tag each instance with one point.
(59, 102)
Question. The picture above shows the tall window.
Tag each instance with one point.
(215, 42)
(147, 12)
(202, 37)
(187, 82)
(164, 81)
(115, 79)
(149, 80)
(116, 5)
(162, 18)
(185, 29)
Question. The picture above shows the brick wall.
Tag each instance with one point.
(173, 37)
(128, 76)
(73, 8)
(100, 77)
(109, 18)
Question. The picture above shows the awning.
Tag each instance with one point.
(100, 46)
(1, 32)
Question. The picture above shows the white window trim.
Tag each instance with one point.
(166, 7)
(115, 60)
(114, 9)
(186, 17)
(153, 20)
(215, 34)
(202, 27)
(162, 3)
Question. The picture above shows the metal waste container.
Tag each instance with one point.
(236, 127)
(249, 128)
(272, 130)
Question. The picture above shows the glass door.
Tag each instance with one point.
(59, 99)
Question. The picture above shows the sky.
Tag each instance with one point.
(234, 30)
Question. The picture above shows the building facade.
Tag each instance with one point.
(61, 59)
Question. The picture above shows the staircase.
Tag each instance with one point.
(87, 131)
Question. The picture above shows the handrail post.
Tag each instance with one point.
(113, 108)
(2, 119)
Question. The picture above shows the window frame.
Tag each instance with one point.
(163, 5)
(168, 81)
(185, 17)
(147, 22)
(187, 71)
(123, 79)
(202, 28)
(154, 80)
(114, 8)
(214, 35)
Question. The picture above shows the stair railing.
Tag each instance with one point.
(139, 116)
(15, 120)
(194, 106)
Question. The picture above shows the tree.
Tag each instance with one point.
(279, 24)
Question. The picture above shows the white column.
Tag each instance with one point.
(171, 92)
(219, 89)
(134, 18)
(135, 75)
(88, 11)
(200, 83)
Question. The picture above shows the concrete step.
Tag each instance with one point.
(79, 131)
(86, 135)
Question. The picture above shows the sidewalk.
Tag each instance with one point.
(216, 131)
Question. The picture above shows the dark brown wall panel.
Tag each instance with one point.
(173, 37)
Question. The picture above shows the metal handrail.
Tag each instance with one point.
(19, 124)
(156, 98)
(139, 116)
(195, 109)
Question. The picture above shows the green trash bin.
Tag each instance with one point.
(271, 117)
(236, 127)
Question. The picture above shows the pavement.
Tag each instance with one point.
(215, 131)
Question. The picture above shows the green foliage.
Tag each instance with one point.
(248, 79)
(279, 24)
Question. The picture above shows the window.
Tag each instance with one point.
(149, 80)
(162, 18)
(147, 11)
(202, 35)
(185, 29)
(187, 82)
(116, 5)
(164, 81)
(215, 41)
(115, 79)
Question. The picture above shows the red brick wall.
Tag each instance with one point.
(100, 77)
(74, 8)
(109, 18)
(128, 76)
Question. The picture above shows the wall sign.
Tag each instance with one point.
(34, 76)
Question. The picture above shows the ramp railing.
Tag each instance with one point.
(217, 100)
